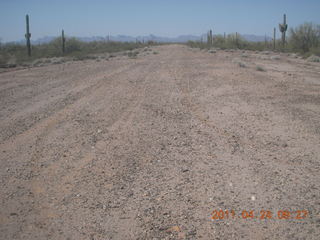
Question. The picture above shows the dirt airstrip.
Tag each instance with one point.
(149, 147)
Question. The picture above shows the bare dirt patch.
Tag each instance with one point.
(148, 147)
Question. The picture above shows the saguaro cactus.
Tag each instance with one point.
(210, 38)
(283, 28)
(274, 38)
(63, 40)
(237, 42)
(28, 35)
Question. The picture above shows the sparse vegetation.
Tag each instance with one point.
(242, 64)
(231, 41)
(133, 54)
(13, 53)
(313, 58)
(304, 39)
(275, 57)
(239, 63)
(260, 69)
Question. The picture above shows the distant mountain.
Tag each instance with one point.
(179, 39)
(35, 42)
(42, 40)
(255, 38)
(151, 37)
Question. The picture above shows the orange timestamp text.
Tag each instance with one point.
(262, 214)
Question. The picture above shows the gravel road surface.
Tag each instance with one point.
(154, 147)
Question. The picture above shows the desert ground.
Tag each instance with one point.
(148, 147)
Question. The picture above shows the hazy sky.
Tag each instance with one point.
(144, 17)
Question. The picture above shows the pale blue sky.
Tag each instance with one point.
(143, 17)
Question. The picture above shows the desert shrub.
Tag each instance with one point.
(275, 57)
(260, 69)
(3, 59)
(313, 58)
(133, 54)
(10, 50)
(239, 62)
(231, 41)
(197, 44)
(76, 49)
(305, 38)
(242, 64)
(74, 45)
(266, 52)
(314, 51)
